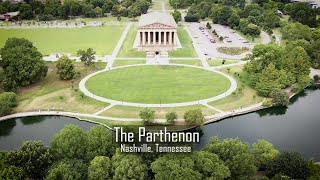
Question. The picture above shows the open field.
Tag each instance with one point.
(122, 62)
(187, 49)
(233, 50)
(52, 93)
(218, 62)
(133, 112)
(249, 38)
(247, 97)
(156, 5)
(189, 62)
(157, 84)
(68, 40)
(127, 49)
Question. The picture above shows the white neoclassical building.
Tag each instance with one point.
(157, 32)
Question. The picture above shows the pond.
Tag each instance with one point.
(295, 128)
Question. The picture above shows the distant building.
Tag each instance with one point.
(13, 1)
(9, 16)
(313, 3)
(157, 32)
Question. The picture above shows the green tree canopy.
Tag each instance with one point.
(147, 115)
(7, 102)
(100, 168)
(198, 165)
(236, 156)
(65, 68)
(68, 170)
(99, 142)
(194, 117)
(22, 64)
(295, 31)
(87, 56)
(33, 157)
(12, 173)
(177, 15)
(263, 153)
(71, 142)
(128, 166)
(289, 164)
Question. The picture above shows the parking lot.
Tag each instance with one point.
(207, 43)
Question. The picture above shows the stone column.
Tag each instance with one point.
(170, 38)
(175, 38)
(149, 39)
(154, 38)
(159, 37)
(143, 38)
(165, 37)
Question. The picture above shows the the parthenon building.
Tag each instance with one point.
(157, 32)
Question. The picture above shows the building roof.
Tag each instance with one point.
(157, 17)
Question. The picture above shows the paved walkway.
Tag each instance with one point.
(265, 38)
(118, 46)
(232, 88)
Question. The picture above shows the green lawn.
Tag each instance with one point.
(233, 50)
(158, 84)
(46, 94)
(133, 112)
(156, 5)
(249, 38)
(122, 62)
(218, 62)
(247, 97)
(189, 62)
(187, 49)
(68, 40)
(127, 49)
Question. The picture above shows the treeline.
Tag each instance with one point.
(55, 9)
(251, 17)
(74, 154)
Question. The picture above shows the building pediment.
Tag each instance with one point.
(157, 25)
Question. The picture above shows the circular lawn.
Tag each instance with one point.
(158, 84)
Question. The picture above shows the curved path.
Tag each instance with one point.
(232, 88)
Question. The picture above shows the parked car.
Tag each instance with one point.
(212, 41)
(245, 41)
(229, 41)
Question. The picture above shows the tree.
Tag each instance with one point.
(68, 170)
(302, 12)
(65, 68)
(69, 8)
(279, 97)
(313, 170)
(253, 30)
(171, 116)
(197, 165)
(7, 102)
(3, 10)
(147, 115)
(295, 31)
(25, 11)
(134, 11)
(33, 157)
(271, 78)
(263, 153)
(289, 164)
(51, 7)
(224, 14)
(177, 15)
(208, 25)
(234, 20)
(298, 62)
(22, 64)
(194, 117)
(99, 142)
(128, 166)
(12, 173)
(71, 142)
(236, 156)
(87, 56)
(315, 54)
(100, 168)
